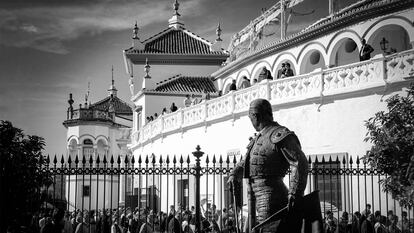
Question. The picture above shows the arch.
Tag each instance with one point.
(242, 73)
(257, 68)
(73, 137)
(226, 85)
(397, 36)
(101, 147)
(102, 137)
(72, 148)
(285, 57)
(87, 136)
(336, 44)
(391, 20)
(304, 63)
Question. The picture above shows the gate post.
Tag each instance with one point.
(198, 154)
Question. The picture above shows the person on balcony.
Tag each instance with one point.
(265, 74)
(187, 101)
(269, 155)
(194, 100)
(173, 108)
(281, 71)
(246, 82)
(233, 86)
(365, 52)
(288, 71)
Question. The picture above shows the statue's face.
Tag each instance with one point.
(254, 120)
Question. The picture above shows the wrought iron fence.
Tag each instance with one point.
(194, 187)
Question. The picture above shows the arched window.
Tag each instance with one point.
(87, 150)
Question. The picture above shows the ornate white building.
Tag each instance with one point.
(326, 102)
(98, 132)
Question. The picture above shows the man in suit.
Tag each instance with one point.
(365, 52)
(281, 71)
(289, 71)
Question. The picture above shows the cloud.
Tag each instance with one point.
(47, 28)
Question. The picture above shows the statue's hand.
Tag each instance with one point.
(291, 202)
(230, 182)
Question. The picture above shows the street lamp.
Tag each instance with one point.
(384, 45)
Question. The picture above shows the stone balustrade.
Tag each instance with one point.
(379, 71)
(90, 114)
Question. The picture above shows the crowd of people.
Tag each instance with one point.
(142, 220)
(188, 101)
(368, 222)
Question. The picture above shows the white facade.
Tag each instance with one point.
(326, 103)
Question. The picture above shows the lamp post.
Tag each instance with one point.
(384, 45)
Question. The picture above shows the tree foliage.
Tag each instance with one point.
(392, 136)
(21, 178)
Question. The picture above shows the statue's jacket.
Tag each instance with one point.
(270, 154)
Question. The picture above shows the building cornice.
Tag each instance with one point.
(334, 23)
(176, 59)
(101, 122)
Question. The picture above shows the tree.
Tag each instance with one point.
(21, 161)
(392, 136)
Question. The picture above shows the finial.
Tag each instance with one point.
(147, 69)
(135, 31)
(70, 101)
(218, 32)
(112, 91)
(112, 70)
(176, 6)
(87, 94)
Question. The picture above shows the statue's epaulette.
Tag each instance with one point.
(279, 133)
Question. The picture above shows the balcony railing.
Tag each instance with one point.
(377, 72)
(89, 114)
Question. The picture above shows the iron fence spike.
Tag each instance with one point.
(221, 159)
(207, 160)
(174, 160)
(181, 159)
(83, 160)
(153, 159)
(188, 159)
(112, 159)
(140, 159)
(62, 160)
(168, 159)
(146, 159)
(133, 159)
(214, 158)
(55, 160)
(76, 160)
(98, 160)
(160, 161)
(118, 160)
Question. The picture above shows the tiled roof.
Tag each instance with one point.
(120, 106)
(177, 41)
(186, 84)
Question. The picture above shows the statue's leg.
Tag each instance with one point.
(271, 196)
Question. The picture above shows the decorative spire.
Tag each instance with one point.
(112, 70)
(175, 21)
(136, 43)
(147, 69)
(112, 89)
(218, 32)
(176, 6)
(135, 31)
(87, 94)
(217, 45)
(146, 79)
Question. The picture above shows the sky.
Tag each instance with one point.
(50, 48)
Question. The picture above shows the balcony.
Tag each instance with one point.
(380, 71)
